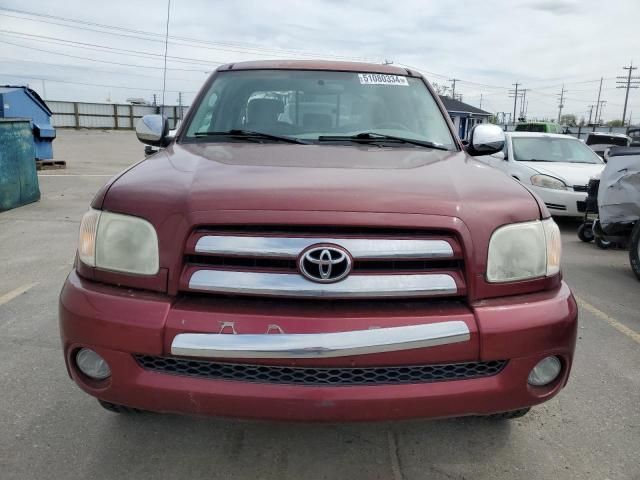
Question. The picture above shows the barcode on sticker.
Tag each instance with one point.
(382, 79)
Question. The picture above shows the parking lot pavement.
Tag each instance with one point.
(50, 429)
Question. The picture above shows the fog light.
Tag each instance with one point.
(92, 364)
(545, 372)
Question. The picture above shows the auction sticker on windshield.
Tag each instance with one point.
(381, 79)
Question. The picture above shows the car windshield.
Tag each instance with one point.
(315, 106)
(552, 149)
(531, 127)
(607, 140)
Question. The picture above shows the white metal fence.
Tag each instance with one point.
(107, 115)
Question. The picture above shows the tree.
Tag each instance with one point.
(440, 89)
(615, 123)
(582, 122)
(569, 120)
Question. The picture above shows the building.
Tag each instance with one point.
(464, 116)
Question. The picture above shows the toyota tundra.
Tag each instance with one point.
(315, 243)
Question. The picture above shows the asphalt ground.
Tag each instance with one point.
(51, 429)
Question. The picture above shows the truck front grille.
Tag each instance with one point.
(265, 262)
(333, 376)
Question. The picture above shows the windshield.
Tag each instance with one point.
(552, 149)
(531, 127)
(607, 140)
(306, 105)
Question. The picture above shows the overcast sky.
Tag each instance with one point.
(487, 44)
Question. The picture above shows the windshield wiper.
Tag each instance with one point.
(536, 160)
(368, 137)
(250, 134)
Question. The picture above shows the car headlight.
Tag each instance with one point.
(121, 243)
(547, 181)
(522, 251)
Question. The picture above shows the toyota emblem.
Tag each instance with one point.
(325, 263)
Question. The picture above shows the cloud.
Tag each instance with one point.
(556, 7)
(488, 44)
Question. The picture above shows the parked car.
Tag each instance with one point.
(539, 127)
(601, 142)
(556, 167)
(634, 135)
(331, 266)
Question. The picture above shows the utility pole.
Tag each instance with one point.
(599, 120)
(598, 101)
(561, 103)
(453, 87)
(628, 83)
(514, 94)
(180, 105)
(523, 106)
(590, 113)
(155, 100)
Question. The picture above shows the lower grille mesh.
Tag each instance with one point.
(319, 375)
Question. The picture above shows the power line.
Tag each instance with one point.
(100, 61)
(124, 87)
(84, 45)
(228, 46)
(94, 69)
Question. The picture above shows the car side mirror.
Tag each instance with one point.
(485, 139)
(153, 130)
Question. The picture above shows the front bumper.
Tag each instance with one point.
(118, 324)
(561, 203)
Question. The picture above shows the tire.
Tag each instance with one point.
(634, 250)
(509, 415)
(603, 244)
(585, 233)
(115, 408)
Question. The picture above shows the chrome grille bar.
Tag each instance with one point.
(294, 285)
(291, 247)
(319, 345)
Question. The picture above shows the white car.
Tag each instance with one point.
(556, 167)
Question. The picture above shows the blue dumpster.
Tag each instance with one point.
(18, 178)
(22, 102)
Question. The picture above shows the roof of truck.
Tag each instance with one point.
(320, 65)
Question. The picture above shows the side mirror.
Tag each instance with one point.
(485, 139)
(153, 130)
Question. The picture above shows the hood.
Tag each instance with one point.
(569, 172)
(253, 177)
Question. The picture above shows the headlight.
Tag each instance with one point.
(121, 243)
(548, 182)
(521, 251)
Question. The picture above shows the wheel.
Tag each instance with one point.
(634, 250)
(509, 415)
(603, 244)
(585, 232)
(115, 408)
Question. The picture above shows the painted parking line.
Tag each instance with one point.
(79, 175)
(7, 297)
(632, 334)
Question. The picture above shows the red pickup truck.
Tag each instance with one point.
(315, 243)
